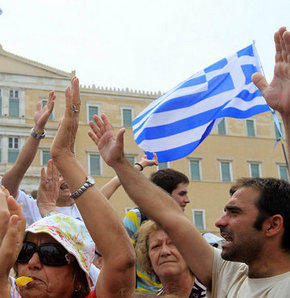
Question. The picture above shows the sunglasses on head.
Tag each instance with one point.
(50, 254)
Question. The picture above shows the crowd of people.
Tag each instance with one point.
(70, 242)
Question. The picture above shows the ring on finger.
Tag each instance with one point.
(74, 109)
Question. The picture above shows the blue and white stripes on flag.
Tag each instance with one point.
(174, 124)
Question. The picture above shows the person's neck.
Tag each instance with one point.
(180, 285)
(65, 202)
(271, 264)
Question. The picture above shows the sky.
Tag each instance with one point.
(146, 45)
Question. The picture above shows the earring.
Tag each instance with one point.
(77, 290)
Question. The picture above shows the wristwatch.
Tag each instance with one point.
(36, 135)
(90, 181)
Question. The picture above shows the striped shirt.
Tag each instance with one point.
(198, 290)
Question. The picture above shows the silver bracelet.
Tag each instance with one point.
(36, 135)
(90, 181)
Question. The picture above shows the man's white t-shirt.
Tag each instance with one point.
(31, 211)
(230, 279)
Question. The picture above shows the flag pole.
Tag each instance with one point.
(285, 155)
(276, 122)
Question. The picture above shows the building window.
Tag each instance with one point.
(13, 103)
(127, 117)
(194, 170)
(198, 216)
(131, 159)
(283, 172)
(250, 128)
(43, 103)
(222, 127)
(45, 157)
(225, 169)
(163, 165)
(13, 149)
(95, 164)
(92, 110)
(277, 132)
(255, 170)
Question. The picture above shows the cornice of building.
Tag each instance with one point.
(53, 70)
(120, 92)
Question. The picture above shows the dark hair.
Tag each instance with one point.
(274, 199)
(168, 179)
(81, 279)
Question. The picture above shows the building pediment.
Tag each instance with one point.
(17, 65)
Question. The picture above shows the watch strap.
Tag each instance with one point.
(36, 135)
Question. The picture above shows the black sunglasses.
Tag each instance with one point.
(50, 254)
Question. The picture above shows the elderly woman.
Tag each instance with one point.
(158, 256)
(60, 268)
(43, 255)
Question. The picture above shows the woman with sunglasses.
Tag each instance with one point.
(57, 253)
(54, 257)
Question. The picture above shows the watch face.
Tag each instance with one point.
(91, 180)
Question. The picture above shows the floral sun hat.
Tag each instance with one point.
(71, 233)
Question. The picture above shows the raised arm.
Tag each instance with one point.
(13, 177)
(277, 93)
(117, 278)
(12, 226)
(156, 203)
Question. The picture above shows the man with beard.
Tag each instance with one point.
(255, 258)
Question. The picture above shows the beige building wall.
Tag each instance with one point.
(208, 195)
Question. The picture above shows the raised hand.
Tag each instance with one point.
(12, 227)
(145, 162)
(64, 141)
(48, 189)
(41, 115)
(109, 144)
(277, 93)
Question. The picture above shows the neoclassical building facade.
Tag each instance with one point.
(236, 148)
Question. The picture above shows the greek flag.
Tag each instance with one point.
(174, 124)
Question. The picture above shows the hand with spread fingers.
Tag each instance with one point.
(99, 127)
(109, 145)
(64, 141)
(48, 190)
(277, 93)
(12, 226)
